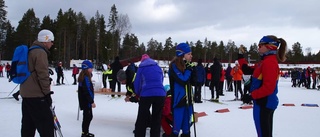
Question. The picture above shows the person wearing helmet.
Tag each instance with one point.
(35, 91)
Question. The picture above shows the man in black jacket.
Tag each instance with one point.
(215, 78)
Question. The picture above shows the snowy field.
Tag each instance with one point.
(116, 118)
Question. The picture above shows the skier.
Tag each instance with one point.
(179, 77)
(264, 84)
(86, 96)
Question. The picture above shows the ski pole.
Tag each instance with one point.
(13, 90)
(78, 112)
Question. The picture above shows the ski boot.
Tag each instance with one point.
(87, 135)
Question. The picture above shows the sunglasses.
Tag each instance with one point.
(260, 45)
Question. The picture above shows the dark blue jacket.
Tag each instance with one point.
(149, 79)
(201, 74)
(85, 93)
(228, 71)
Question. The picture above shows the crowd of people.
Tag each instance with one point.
(172, 105)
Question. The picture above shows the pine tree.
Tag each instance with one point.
(3, 19)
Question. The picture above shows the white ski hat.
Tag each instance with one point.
(236, 62)
(45, 36)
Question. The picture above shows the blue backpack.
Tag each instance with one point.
(19, 66)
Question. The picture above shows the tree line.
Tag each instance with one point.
(101, 41)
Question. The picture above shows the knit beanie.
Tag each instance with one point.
(121, 75)
(86, 65)
(182, 49)
(45, 36)
(144, 56)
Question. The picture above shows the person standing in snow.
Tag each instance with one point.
(75, 71)
(8, 68)
(201, 78)
(86, 96)
(115, 67)
(264, 84)
(215, 69)
(35, 91)
(179, 77)
(59, 71)
(148, 85)
(237, 73)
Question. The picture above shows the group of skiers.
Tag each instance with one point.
(304, 77)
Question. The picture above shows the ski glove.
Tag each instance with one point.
(190, 66)
(48, 98)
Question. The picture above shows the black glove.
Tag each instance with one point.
(247, 98)
(134, 99)
(48, 98)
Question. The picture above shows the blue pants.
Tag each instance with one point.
(182, 119)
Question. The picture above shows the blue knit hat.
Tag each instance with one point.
(182, 49)
(86, 65)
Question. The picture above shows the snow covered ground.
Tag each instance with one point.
(116, 118)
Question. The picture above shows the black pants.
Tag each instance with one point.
(308, 83)
(74, 78)
(246, 89)
(145, 103)
(113, 86)
(237, 86)
(104, 80)
(36, 115)
(229, 84)
(87, 117)
(221, 83)
(58, 78)
(197, 93)
(214, 86)
(266, 121)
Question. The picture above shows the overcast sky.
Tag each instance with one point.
(241, 21)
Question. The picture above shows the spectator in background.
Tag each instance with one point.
(229, 78)
(294, 77)
(59, 71)
(215, 78)
(208, 75)
(314, 78)
(115, 67)
(308, 77)
(8, 68)
(1, 70)
(201, 78)
(221, 82)
(237, 73)
(75, 71)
